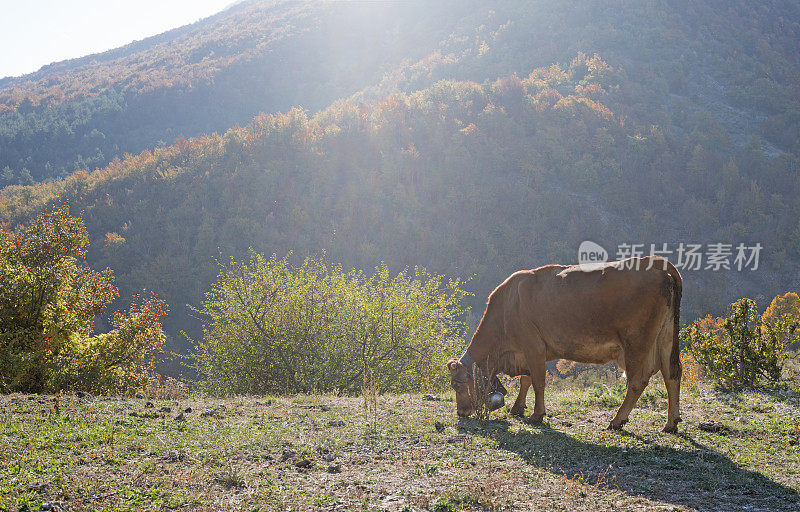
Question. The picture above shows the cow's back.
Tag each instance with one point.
(585, 315)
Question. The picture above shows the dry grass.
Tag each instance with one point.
(369, 393)
(481, 388)
(304, 453)
(166, 389)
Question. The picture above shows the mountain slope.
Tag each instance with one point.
(485, 140)
(221, 71)
(736, 60)
(463, 178)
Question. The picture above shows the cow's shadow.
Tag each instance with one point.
(696, 477)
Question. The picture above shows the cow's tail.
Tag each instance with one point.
(675, 368)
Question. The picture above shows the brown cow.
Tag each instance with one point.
(625, 311)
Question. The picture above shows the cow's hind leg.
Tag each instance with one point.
(673, 386)
(638, 379)
(635, 389)
(519, 405)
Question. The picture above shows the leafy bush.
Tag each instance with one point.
(116, 361)
(784, 310)
(274, 327)
(607, 396)
(741, 350)
(47, 306)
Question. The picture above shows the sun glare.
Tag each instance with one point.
(42, 32)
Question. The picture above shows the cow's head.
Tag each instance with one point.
(469, 396)
(464, 385)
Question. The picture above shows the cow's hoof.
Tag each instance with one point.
(672, 429)
(517, 411)
(536, 419)
(615, 426)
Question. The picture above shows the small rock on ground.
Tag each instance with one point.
(711, 426)
(53, 506)
(392, 502)
(303, 463)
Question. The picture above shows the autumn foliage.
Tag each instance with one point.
(744, 349)
(784, 310)
(48, 303)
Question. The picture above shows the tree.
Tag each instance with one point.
(740, 350)
(782, 313)
(25, 177)
(6, 176)
(48, 301)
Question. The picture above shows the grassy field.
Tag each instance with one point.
(323, 452)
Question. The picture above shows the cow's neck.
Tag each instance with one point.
(475, 357)
(482, 354)
(483, 349)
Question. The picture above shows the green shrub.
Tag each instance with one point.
(48, 302)
(652, 393)
(117, 361)
(740, 350)
(608, 397)
(274, 327)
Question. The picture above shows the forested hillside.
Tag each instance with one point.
(735, 60)
(256, 56)
(472, 139)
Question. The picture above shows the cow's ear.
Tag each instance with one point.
(453, 365)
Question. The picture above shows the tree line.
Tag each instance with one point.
(272, 327)
(468, 179)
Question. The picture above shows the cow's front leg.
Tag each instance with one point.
(519, 405)
(537, 368)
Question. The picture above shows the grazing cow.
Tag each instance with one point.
(625, 311)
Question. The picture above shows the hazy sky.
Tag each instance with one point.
(37, 32)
